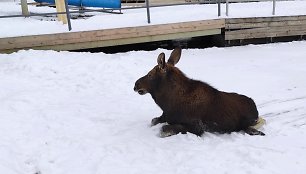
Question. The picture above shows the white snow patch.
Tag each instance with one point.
(64, 112)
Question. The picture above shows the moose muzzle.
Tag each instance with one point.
(139, 89)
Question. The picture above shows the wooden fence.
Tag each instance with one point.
(264, 27)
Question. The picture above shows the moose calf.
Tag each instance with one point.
(193, 106)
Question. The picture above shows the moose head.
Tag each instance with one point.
(152, 81)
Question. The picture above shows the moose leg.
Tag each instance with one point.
(158, 120)
(196, 127)
(169, 130)
(253, 131)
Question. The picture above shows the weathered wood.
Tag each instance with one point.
(264, 24)
(266, 32)
(24, 7)
(243, 28)
(113, 36)
(264, 19)
(108, 34)
(60, 7)
(268, 29)
(115, 42)
(264, 35)
(261, 27)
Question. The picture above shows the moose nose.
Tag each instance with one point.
(136, 85)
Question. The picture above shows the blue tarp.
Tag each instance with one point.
(90, 3)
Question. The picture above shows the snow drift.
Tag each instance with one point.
(64, 112)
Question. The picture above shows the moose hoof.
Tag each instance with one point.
(167, 131)
(252, 131)
(166, 134)
(155, 121)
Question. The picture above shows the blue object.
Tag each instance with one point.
(89, 3)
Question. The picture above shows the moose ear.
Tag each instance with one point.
(175, 56)
(161, 60)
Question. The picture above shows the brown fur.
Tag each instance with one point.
(194, 106)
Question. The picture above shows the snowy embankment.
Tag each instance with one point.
(11, 27)
(64, 112)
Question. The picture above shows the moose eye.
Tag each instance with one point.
(150, 76)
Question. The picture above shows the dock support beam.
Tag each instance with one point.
(60, 8)
(24, 8)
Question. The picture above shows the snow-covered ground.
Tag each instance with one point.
(11, 27)
(77, 113)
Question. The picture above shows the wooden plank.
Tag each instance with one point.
(267, 29)
(265, 32)
(264, 35)
(86, 37)
(114, 42)
(143, 39)
(128, 30)
(264, 24)
(60, 7)
(261, 27)
(264, 19)
(108, 34)
(24, 7)
(118, 35)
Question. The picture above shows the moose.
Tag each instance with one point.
(193, 106)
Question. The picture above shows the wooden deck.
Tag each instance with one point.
(264, 27)
(236, 29)
(113, 37)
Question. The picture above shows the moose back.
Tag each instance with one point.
(193, 106)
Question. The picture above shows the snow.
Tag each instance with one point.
(66, 112)
(45, 25)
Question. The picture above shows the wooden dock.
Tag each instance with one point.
(264, 27)
(231, 30)
(113, 37)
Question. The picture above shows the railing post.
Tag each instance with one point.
(68, 15)
(148, 11)
(60, 8)
(219, 7)
(24, 8)
(227, 7)
(274, 3)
